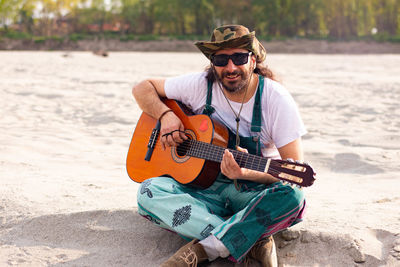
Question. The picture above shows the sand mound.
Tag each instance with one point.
(123, 238)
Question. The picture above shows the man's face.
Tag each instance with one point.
(234, 78)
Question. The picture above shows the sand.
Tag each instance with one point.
(66, 120)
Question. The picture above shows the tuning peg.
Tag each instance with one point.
(284, 182)
(306, 163)
(298, 186)
(290, 159)
(299, 162)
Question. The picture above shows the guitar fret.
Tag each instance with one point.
(206, 151)
(215, 153)
(198, 152)
(189, 152)
(194, 150)
(248, 163)
(237, 158)
(259, 163)
(252, 162)
(263, 162)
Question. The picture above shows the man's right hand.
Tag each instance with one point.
(147, 94)
(172, 131)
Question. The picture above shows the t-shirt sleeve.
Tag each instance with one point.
(189, 89)
(286, 123)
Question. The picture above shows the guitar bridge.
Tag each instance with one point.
(152, 141)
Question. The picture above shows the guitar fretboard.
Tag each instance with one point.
(212, 152)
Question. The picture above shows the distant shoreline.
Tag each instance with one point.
(291, 46)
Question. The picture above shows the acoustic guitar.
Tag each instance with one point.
(197, 160)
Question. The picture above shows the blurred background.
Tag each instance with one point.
(126, 20)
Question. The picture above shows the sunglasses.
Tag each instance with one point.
(237, 59)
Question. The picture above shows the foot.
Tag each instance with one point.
(264, 251)
(187, 256)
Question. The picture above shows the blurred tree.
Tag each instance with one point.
(72, 10)
(48, 10)
(130, 12)
(308, 17)
(336, 19)
(25, 15)
(268, 13)
(365, 17)
(341, 18)
(98, 13)
(202, 14)
(234, 12)
(387, 16)
(8, 11)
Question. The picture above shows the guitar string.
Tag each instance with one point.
(210, 155)
(216, 153)
(238, 154)
(252, 166)
(243, 162)
(217, 149)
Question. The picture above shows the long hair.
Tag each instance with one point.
(260, 69)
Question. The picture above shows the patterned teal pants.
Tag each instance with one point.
(237, 218)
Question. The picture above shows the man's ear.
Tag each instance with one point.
(254, 59)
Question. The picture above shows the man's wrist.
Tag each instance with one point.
(164, 113)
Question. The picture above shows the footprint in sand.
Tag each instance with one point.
(352, 163)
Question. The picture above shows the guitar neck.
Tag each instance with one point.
(214, 153)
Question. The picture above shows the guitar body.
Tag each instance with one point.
(171, 161)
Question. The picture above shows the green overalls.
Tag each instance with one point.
(253, 143)
(236, 217)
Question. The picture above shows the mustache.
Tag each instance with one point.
(236, 72)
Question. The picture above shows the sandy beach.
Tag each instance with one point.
(66, 120)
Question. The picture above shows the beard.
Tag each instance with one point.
(235, 86)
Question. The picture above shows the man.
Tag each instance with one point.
(238, 214)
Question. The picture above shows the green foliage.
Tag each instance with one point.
(43, 39)
(39, 39)
(188, 37)
(110, 35)
(395, 39)
(56, 38)
(77, 37)
(127, 37)
(139, 37)
(147, 20)
(16, 35)
(384, 37)
(147, 37)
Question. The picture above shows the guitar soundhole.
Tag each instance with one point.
(179, 153)
(183, 148)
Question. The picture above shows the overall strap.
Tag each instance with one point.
(257, 111)
(208, 109)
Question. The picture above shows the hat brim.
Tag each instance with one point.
(248, 42)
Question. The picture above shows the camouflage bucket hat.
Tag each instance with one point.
(232, 36)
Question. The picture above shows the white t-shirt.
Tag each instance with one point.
(281, 122)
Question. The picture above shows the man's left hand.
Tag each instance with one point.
(229, 166)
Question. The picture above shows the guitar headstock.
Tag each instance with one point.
(293, 172)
